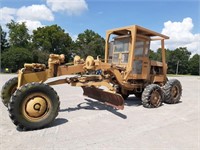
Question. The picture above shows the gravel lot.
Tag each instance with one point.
(83, 123)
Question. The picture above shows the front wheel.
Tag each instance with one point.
(152, 96)
(33, 106)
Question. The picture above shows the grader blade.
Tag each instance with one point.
(112, 99)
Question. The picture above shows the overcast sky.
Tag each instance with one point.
(179, 19)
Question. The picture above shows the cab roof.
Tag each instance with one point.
(140, 30)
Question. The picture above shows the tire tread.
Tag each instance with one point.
(5, 92)
(12, 108)
(147, 93)
(167, 91)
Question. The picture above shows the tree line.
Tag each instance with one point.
(19, 47)
(179, 61)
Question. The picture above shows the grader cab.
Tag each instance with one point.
(126, 69)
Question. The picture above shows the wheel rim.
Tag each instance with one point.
(175, 91)
(155, 99)
(36, 107)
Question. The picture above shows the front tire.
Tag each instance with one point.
(173, 91)
(8, 89)
(33, 106)
(152, 96)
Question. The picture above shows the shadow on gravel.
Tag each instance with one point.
(133, 101)
(95, 105)
(56, 122)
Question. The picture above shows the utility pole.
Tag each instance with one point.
(177, 67)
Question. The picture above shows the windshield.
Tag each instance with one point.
(121, 45)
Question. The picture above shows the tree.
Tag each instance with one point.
(178, 61)
(18, 34)
(152, 55)
(158, 55)
(14, 58)
(194, 65)
(4, 43)
(89, 43)
(40, 56)
(52, 39)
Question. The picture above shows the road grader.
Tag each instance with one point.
(126, 69)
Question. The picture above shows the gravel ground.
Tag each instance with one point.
(83, 123)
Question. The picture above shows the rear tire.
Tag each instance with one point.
(173, 91)
(33, 106)
(8, 89)
(152, 96)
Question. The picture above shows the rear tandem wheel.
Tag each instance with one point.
(173, 91)
(152, 96)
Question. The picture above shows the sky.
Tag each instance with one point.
(179, 19)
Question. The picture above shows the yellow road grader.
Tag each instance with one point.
(126, 69)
